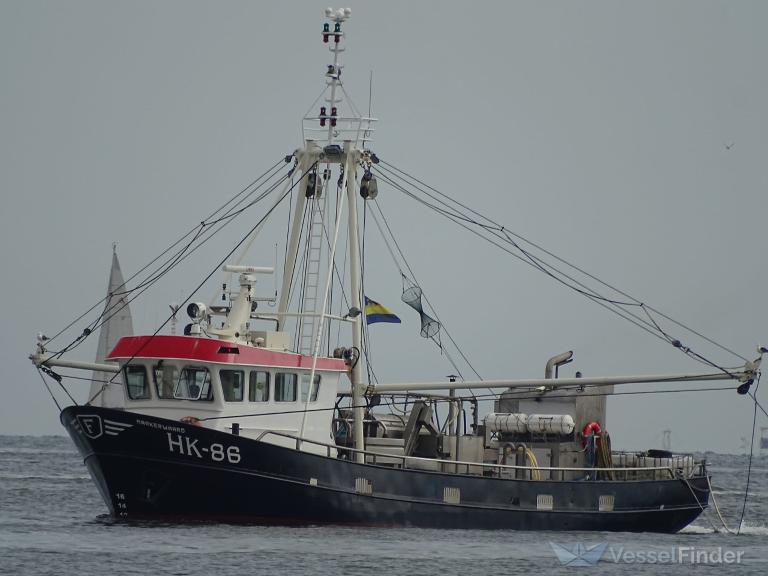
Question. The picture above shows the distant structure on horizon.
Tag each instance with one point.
(764, 441)
(666, 440)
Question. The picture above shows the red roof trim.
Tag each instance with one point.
(207, 350)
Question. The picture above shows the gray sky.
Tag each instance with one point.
(598, 129)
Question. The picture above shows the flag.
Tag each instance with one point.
(375, 312)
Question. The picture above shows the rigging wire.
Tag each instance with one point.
(527, 258)
(569, 264)
(332, 284)
(615, 306)
(200, 285)
(58, 379)
(45, 383)
(340, 277)
(349, 100)
(292, 285)
(122, 303)
(377, 204)
(168, 249)
(221, 222)
(504, 248)
(364, 319)
(757, 403)
(749, 464)
(167, 266)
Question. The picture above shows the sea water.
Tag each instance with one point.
(53, 521)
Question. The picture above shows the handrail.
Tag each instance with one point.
(498, 467)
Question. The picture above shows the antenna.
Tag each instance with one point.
(272, 304)
(174, 306)
(370, 105)
(370, 93)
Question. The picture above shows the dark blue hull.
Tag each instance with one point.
(152, 467)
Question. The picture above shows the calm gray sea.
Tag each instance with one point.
(52, 521)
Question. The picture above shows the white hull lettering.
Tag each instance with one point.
(177, 443)
(191, 447)
(187, 446)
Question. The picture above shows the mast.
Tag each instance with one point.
(293, 242)
(331, 138)
(351, 156)
(357, 323)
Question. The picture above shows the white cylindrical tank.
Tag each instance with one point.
(550, 423)
(508, 423)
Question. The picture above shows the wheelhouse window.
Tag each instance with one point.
(285, 387)
(258, 386)
(194, 384)
(166, 376)
(232, 385)
(305, 387)
(136, 382)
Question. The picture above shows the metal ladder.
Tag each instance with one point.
(312, 276)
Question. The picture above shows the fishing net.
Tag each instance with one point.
(412, 293)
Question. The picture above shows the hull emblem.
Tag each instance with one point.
(90, 425)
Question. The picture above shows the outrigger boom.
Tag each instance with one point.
(748, 373)
(52, 361)
(742, 376)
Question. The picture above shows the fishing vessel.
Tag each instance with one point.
(266, 410)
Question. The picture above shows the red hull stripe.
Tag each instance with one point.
(219, 351)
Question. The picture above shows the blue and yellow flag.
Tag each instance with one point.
(375, 312)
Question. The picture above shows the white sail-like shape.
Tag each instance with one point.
(118, 324)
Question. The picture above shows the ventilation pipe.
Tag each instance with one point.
(555, 362)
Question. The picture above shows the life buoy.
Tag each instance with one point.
(191, 420)
(591, 428)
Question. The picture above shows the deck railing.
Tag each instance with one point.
(505, 470)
